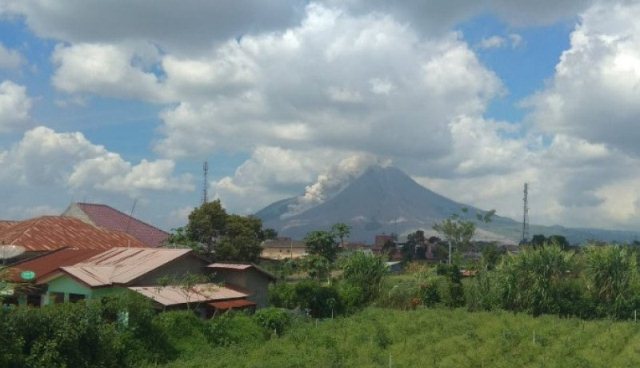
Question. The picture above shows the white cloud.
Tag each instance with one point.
(512, 40)
(184, 27)
(15, 106)
(493, 42)
(309, 87)
(10, 59)
(68, 160)
(595, 91)
(105, 69)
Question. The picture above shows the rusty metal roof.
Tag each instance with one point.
(175, 295)
(232, 304)
(6, 223)
(50, 262)
(110, 218)
(240, 267)
(122, 265)
(53, 232)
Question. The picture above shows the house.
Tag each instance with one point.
(40, 268)
(283, 248)
(141, 270)
(208, 298)
(110, 272)
(245, 277)
(46, 233)
(109, 218)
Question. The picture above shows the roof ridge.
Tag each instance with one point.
(117, 210)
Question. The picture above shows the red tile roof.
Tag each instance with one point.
(110, 218)
(48, 263)
(53, 232)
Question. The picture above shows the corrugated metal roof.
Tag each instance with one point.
(6, 223)
(48, 263)
(232, 266)
(53, 232)
(110, 218)
(240, 267)
(175, 295)
(122, 265)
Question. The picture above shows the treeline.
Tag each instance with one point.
(121, 332)
(590, 282)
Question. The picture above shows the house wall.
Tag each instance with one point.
(251, 280)
(66, 285)
(178, 268)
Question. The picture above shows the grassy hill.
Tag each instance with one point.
(433, 338)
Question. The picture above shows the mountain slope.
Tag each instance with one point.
(386, 200)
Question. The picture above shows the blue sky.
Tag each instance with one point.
(116, 101)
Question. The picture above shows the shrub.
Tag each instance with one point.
(233, 328)
(273, 319)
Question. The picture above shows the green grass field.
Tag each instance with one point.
(432, 338)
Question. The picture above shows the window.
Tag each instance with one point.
(56, 298)
(76, 297)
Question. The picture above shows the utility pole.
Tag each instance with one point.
(205, 182)
(525, 215)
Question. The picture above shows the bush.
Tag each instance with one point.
(308, 295)
(365, 272)
(273, 319)
(233, 328)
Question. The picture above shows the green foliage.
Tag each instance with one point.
(227, 237)
(322, 243)
(207, 223)
(310, 296)
(435, 338)
(365, 272)
(273, 319)
(234, 328)
(341, 231)
(317, 267)
(82, 335)
(534, 280)
(613, 280)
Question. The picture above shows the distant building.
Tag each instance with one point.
(109, 218)
(283, 248)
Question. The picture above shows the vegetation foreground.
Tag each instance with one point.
(425, 338)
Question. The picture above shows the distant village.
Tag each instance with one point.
(93, 251)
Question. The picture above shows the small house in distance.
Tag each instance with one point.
(283, 248)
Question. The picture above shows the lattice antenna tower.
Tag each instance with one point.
(525, 214)
(205, 181)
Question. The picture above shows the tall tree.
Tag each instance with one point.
(225, 237)
(458, 231)
(207, 224)
(322, 243)
(342, 231)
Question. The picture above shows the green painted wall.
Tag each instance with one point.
(67, 285)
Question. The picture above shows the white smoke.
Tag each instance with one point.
(332, 181)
